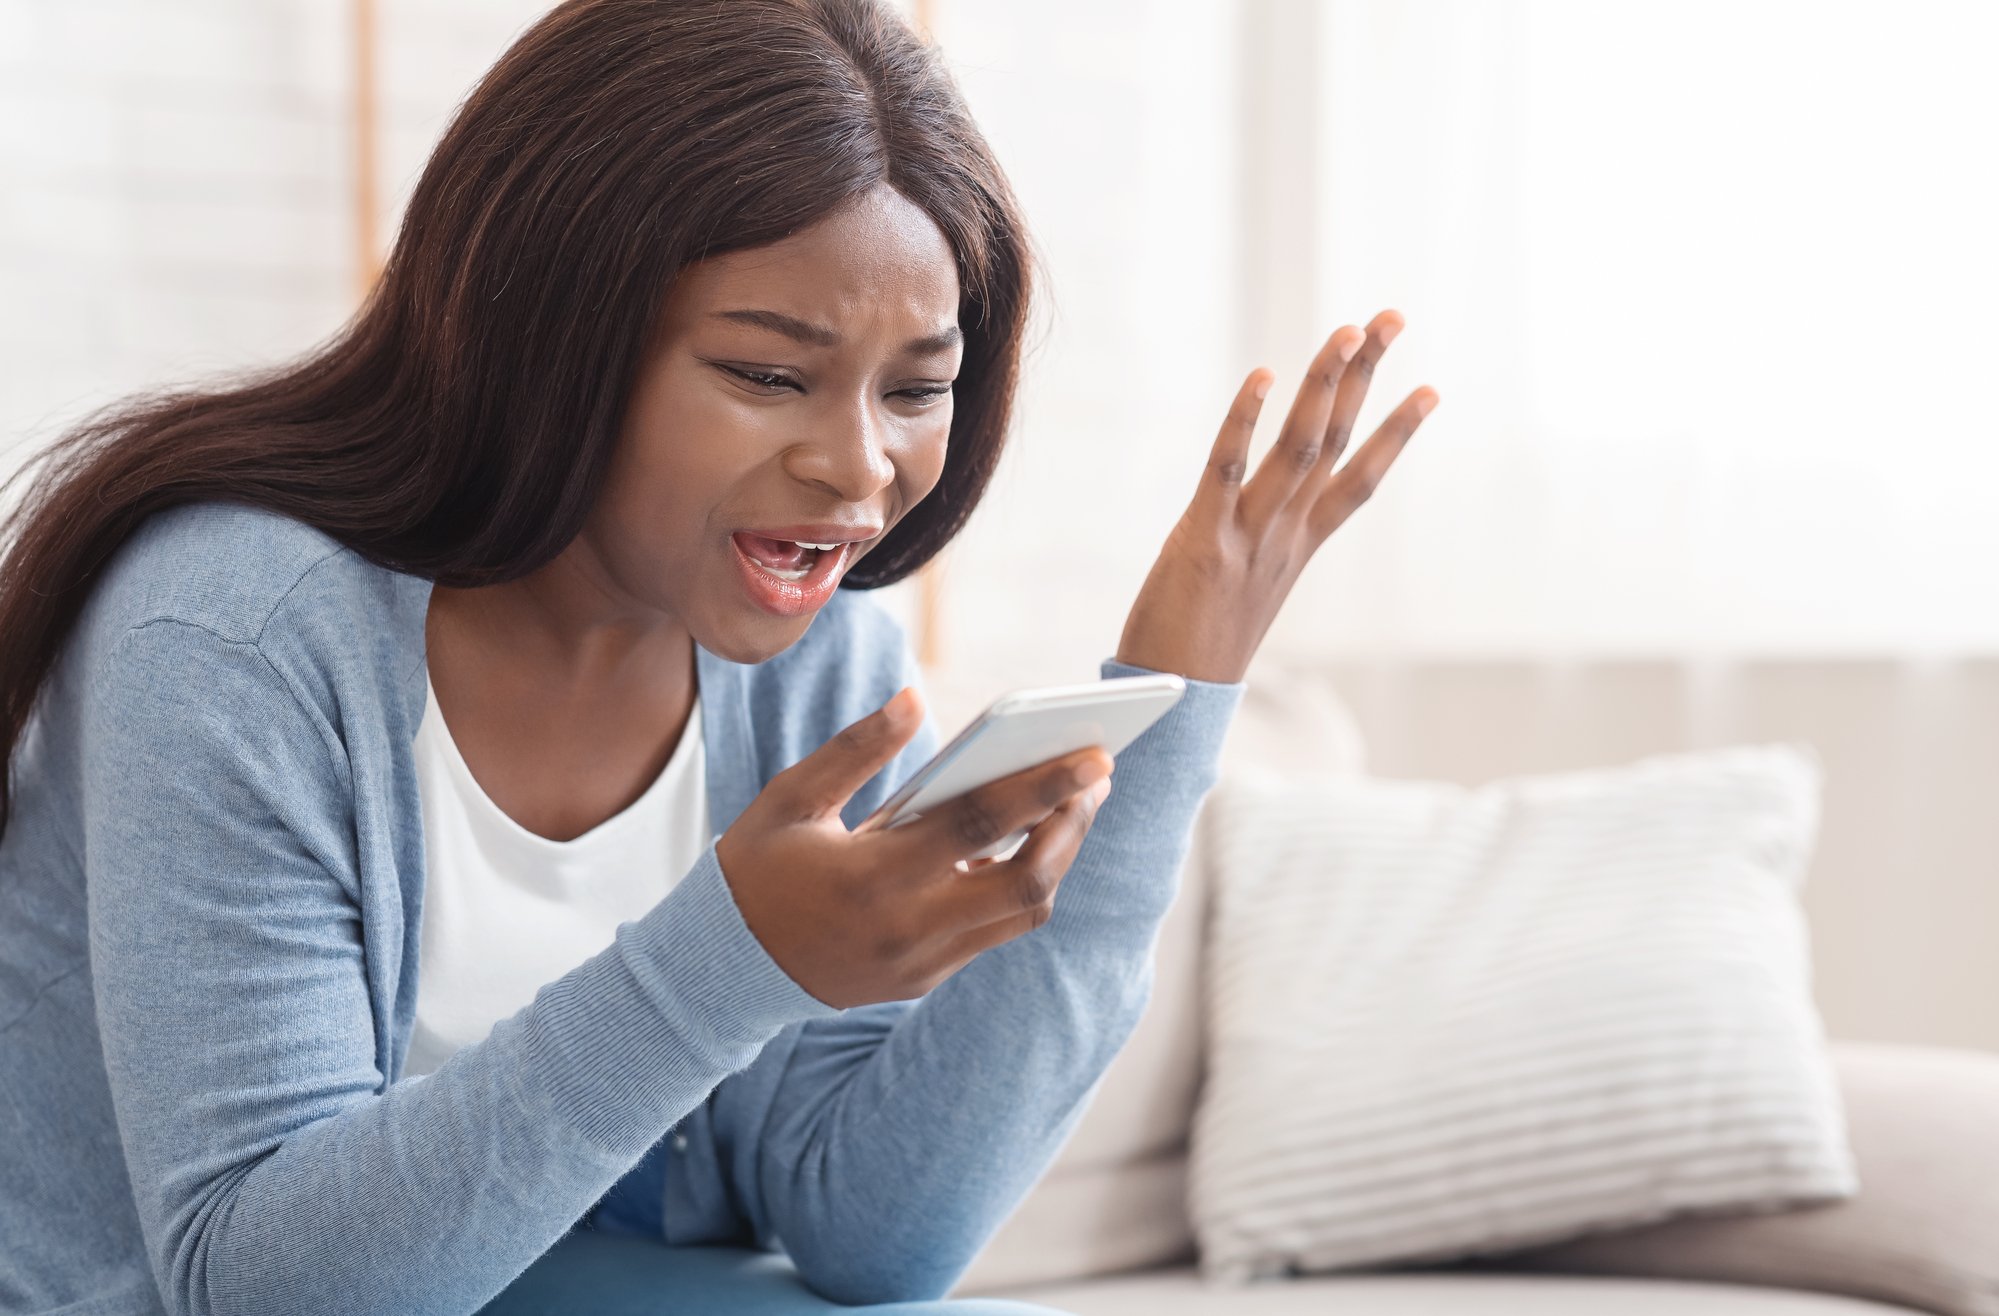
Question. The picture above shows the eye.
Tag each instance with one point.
(763, 379)
(924, 397)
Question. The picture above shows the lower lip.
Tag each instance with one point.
(791, 598)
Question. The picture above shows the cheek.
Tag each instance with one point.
(665, 479)
(930, 443)
(693, 443)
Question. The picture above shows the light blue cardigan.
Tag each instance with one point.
(210, 898)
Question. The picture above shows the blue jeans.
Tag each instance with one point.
(593, 1273)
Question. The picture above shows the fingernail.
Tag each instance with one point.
(1424, 406)
(1353, 346)
(1262, 388)
(1100, 792)
(1388, 334)
(1091, 772)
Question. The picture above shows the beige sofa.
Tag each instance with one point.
(1106, 1231)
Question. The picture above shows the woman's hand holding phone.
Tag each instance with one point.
(885, 915)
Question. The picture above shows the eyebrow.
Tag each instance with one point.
(813, 335)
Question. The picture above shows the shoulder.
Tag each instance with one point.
(856, 624)
(852, 658)
(225, 567)
(318, 613)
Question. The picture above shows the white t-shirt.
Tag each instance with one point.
(506, 911)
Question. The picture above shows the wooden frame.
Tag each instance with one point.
(367, 198)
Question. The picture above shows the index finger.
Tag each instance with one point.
(1228, 458)
(821, 782)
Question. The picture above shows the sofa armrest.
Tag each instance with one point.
(1923, 1230)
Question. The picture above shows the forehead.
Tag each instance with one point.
(878, 261)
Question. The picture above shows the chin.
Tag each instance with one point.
(756, 644)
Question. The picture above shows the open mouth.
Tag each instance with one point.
(785, 576)
(783, 558)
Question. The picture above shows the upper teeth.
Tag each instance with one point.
(802, 544)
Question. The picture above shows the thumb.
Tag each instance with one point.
(823, 781)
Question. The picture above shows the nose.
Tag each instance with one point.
(848, 455)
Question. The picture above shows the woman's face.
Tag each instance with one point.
(796, 392)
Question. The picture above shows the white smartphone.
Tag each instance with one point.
(1025, 728)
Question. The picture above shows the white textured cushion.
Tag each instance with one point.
(1923, 1230)
(1448, 1021)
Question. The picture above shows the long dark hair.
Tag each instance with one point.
(459, 425)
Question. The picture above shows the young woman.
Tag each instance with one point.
(427, 884)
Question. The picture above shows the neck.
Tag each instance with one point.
(561, 634)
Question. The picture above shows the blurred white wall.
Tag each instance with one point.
(179, 177)
(174, 197)
(1706, 288)
(1116, 122)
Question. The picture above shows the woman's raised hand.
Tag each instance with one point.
(1232, 558)
(885, 915)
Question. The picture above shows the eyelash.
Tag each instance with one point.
(764, 379)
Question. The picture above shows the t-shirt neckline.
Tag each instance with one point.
(613, 826)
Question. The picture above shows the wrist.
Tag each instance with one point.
(1192, 669)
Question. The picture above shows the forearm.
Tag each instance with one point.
(885, 1167)
(270, 1181)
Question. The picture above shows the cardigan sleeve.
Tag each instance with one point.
(902, 1135)
(272, 1168)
